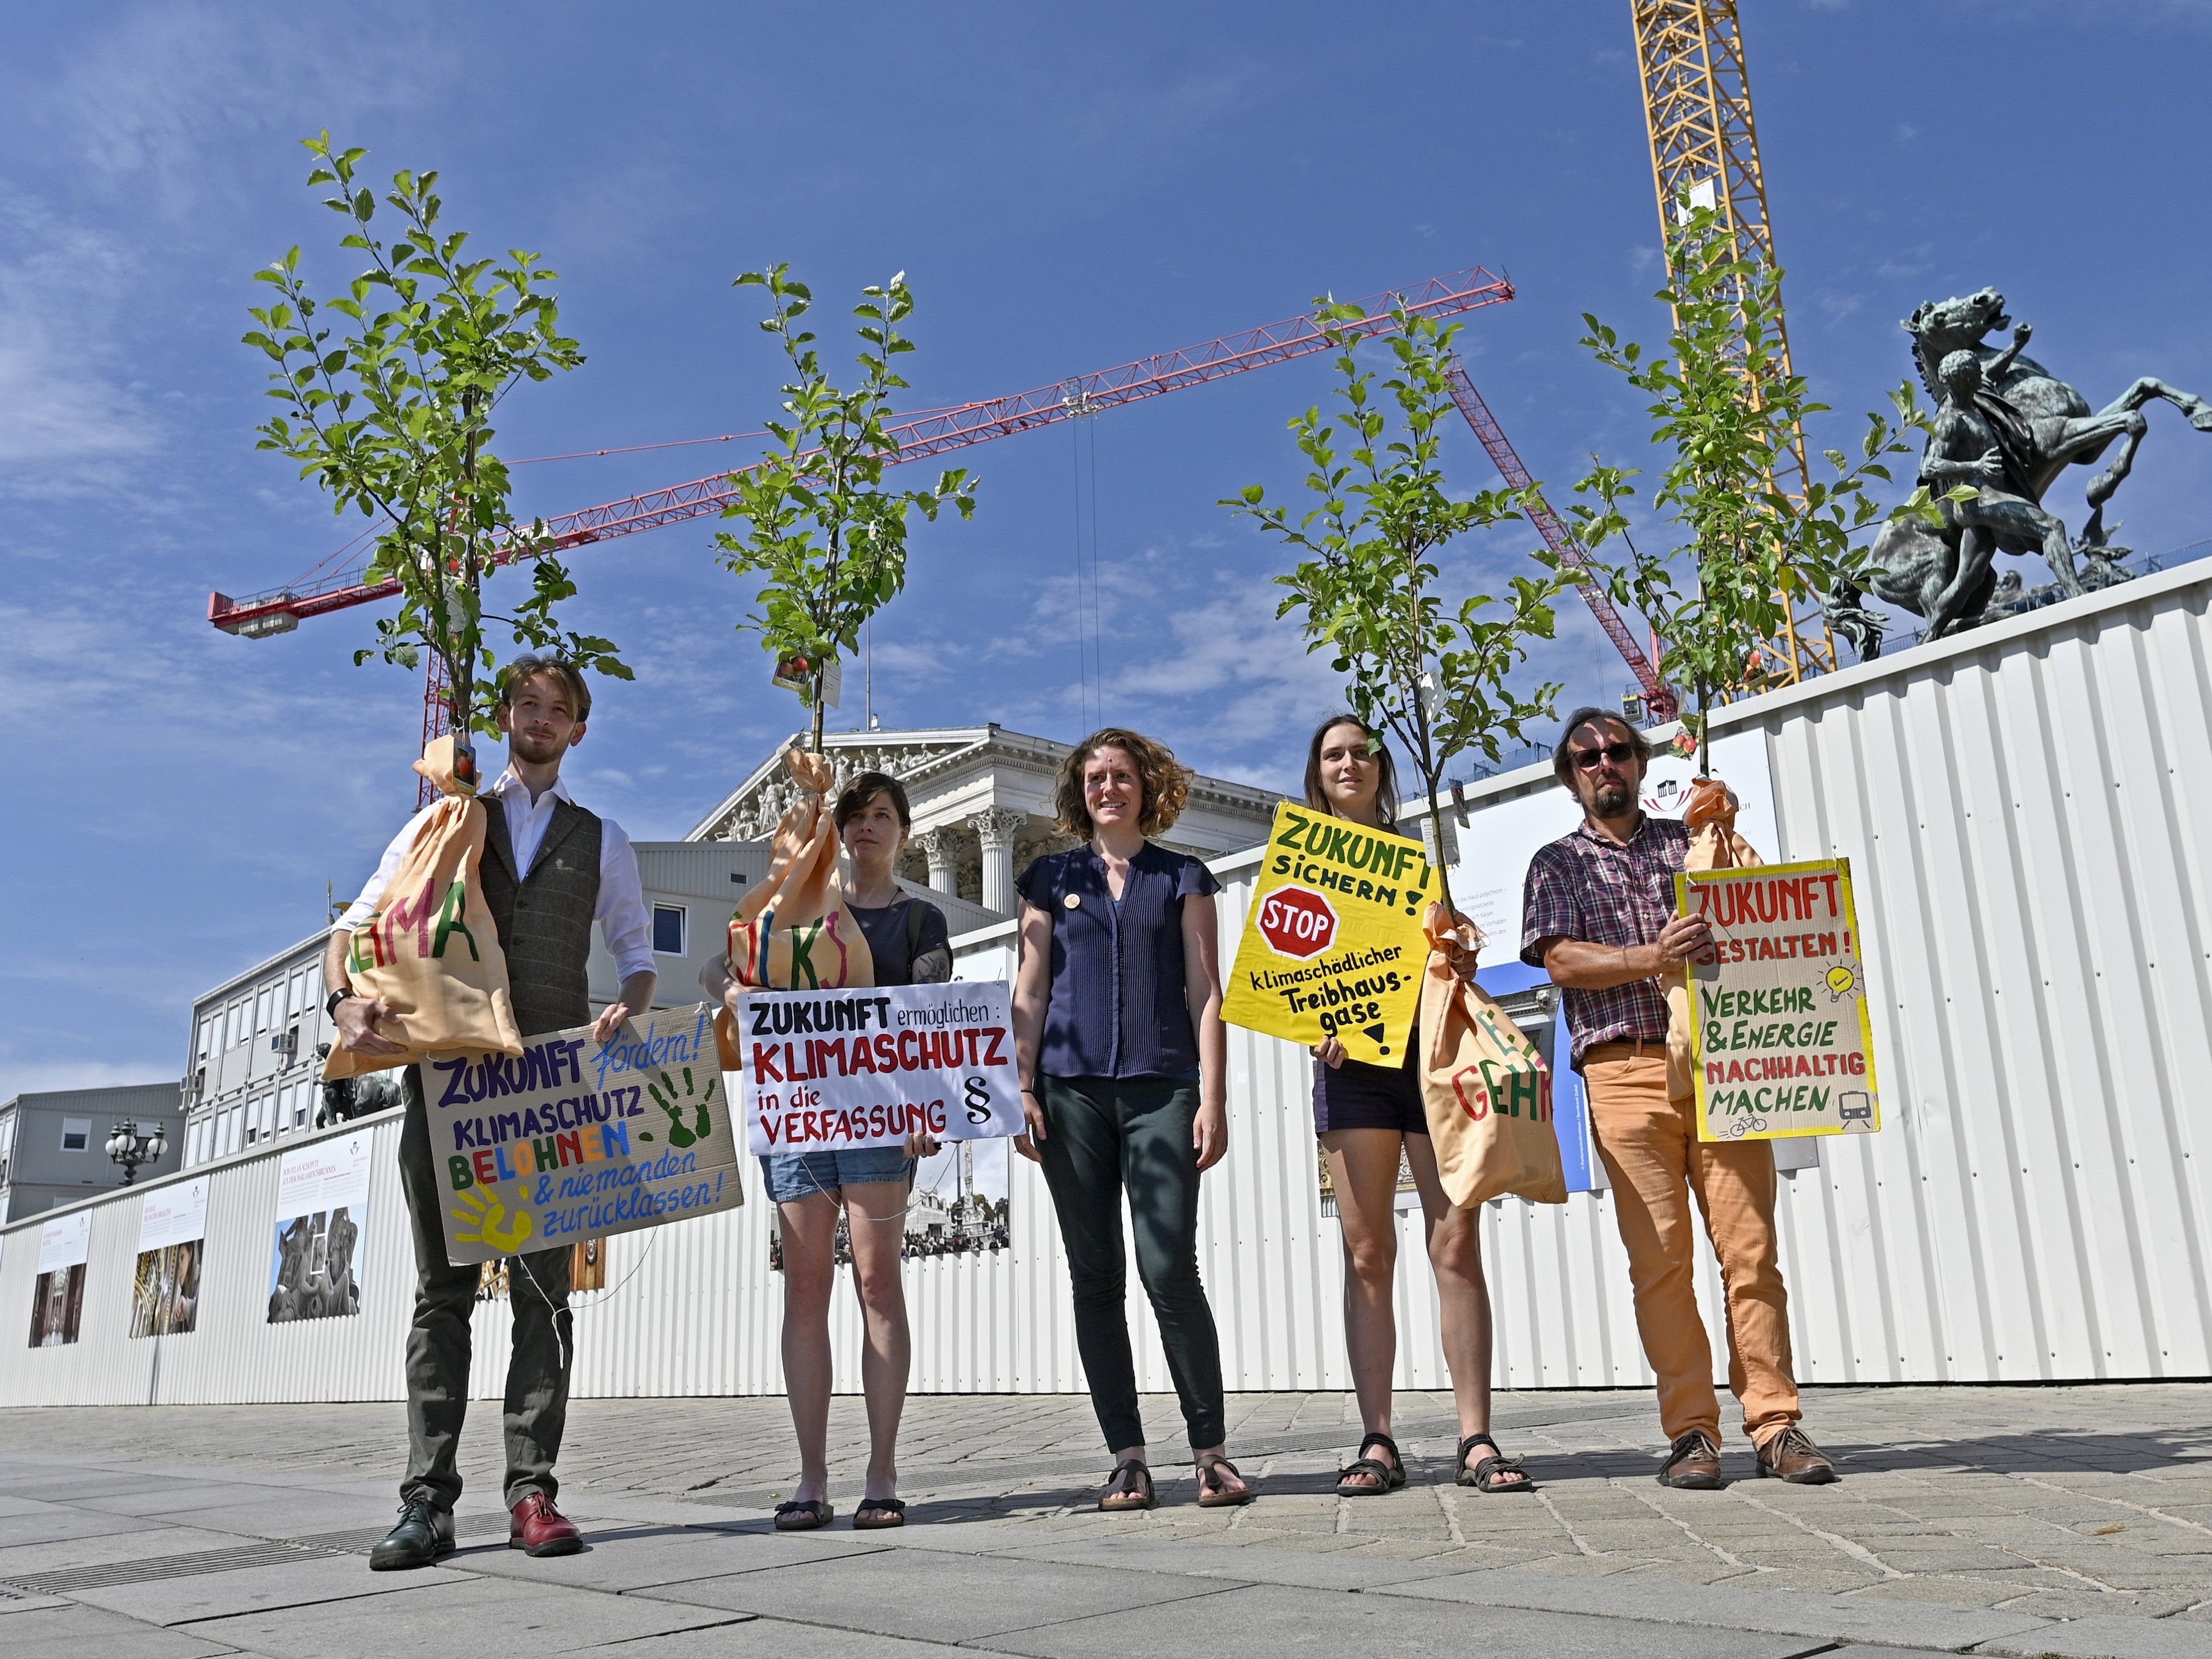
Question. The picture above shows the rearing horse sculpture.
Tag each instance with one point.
(2043, 425)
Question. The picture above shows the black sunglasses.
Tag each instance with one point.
(1618, 753)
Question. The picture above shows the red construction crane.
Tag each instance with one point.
(281, 609)
(1659, 699)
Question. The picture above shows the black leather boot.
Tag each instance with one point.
(425, 1532)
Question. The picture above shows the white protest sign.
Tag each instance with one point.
(65, 1242)
(173, 1214)
(828, 1069)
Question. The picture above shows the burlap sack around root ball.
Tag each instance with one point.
(1714, 845)
(793, 930)
(1486, 1091)
(430, 952)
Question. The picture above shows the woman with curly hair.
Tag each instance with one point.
(1117, 1029)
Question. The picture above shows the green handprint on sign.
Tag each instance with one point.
(678, 1133)
(488, 1216)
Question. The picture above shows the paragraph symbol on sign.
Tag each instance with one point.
(1297, 922)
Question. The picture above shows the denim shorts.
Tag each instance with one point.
(793, 1176)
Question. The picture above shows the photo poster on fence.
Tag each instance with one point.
(572, 1139)
(165, 1293)
(57, 1295)
(829, 1071)
(322, 1206)
(1782, 1041)
(1333, 945)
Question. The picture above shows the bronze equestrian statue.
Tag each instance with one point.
(2006, 429)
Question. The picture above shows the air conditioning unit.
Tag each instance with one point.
(286, 1043)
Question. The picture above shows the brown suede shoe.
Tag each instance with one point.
(1693, 1463)
(1791, 1456)
(538, 1529)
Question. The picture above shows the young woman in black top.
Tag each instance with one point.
(1369, 1116)
(1117, 1029)
(908, 939)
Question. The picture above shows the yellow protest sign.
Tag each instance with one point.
(1782, 1040)
(1333, 945)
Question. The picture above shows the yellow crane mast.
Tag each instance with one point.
(1704, 146)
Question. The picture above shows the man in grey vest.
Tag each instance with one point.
(549, 870)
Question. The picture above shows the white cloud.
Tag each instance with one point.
(146, 103)
(69, 413)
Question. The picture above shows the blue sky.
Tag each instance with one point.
(1067, 188)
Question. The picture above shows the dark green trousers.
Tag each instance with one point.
(1103, 1136)
(438, 1342)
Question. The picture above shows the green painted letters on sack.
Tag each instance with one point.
(450, 922)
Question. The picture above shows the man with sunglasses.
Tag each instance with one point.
(1598, 916)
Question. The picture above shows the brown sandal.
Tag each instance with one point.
(1129, 1487)
(1214, 1492)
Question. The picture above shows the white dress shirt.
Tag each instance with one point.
(624, 924)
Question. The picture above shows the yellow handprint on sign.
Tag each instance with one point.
(488, 1216)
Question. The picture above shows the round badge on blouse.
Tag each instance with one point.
(1073, 902)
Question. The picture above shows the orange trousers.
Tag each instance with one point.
(1652, 1154)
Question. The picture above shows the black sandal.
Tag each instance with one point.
(1131, 1481)
(1388, 1477)
(1485, 1475)
(876, 1512)
(1214, 1492)
(802, 1517)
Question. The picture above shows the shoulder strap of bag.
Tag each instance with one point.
(913, 928)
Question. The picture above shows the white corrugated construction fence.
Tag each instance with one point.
(2024, 809)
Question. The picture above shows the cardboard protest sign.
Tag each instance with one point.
(1782, 1042)
(1333, 944)
(826, 1069)
(58, 1297)
(322, 1205)
(164, 1297)
(574, 1139)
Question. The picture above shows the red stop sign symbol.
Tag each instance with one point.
(1297, 922)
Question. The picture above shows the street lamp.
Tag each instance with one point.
(131, 1149)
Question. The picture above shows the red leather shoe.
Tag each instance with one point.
(538, 1529)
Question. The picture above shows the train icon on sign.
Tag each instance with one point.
(1855, 1106)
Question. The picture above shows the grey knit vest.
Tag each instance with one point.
(545, 920)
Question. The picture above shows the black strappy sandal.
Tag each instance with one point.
(1388, 1477)
(878, 1512)
(1214, 1492)
(802, 1517)
(1483, 1476)
(1131, 1481)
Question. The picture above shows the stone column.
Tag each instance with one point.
(937, 846)
(994, 827)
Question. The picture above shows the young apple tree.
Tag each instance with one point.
(820, 527)
(392, 410)
(1435, 677)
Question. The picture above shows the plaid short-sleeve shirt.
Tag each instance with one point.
(1590, 887)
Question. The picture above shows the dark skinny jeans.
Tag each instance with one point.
(438, 1341)
(1103, 1135)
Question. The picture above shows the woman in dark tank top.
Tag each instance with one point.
(1368, 1118)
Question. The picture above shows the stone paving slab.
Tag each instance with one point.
(458, 1614)
(2107, 1638)
(1834, 1618)
(619, 1559)
(76, 1632)
(943, 1598)
(1254, 1621)
(314, 1581)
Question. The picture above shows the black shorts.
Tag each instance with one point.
(1358, 1096)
